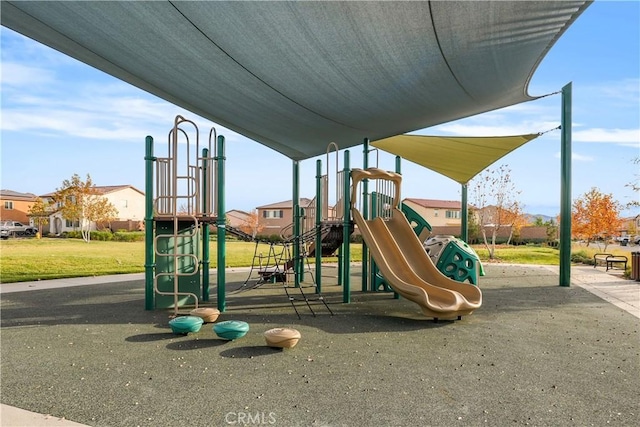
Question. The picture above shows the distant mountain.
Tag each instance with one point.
(545, 218)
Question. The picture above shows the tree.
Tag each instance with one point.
(252, 224)
(595, 216)
(635, 185)
(82, 202)
(473, 227)
(40, 211)
(494, 199)
(514, 216)
(552, 230)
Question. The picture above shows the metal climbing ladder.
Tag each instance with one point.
(183, 209)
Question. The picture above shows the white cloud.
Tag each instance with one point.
(626, 137)
(626, 90)
(14, 74)
(577, 157)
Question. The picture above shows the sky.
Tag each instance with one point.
(61, 117)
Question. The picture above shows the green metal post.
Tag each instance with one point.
(297, 261)
(464, 230)
(205, 225)
(346, 259)
(565, 189)
(149, 253)
(373, 268)
(318, 242)
(221, 222)
(365, 215)
(398, 170)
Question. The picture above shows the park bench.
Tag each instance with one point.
(609, 260)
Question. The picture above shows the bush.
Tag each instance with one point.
(272, 238)
(104, 236)
(356, 238)
(581, 257)
(129, 236)
(107, 236)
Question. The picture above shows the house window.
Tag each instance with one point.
(70, 224)
(125, 203)
(273, 214)
(8, 205)
(452, 214)
(435, 212)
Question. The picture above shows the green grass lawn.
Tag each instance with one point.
(23, 260)
(40, 259)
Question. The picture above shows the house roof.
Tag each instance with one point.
(15, 195)
(296, 75)
(287, 204)
(102, 189)
(105, 189)
(237, 213)
(439, 204)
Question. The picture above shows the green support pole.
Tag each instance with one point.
(297, 261)
(205, 230)
(149, 253)
(346, 259)
(398, 170)
(365, 215)
(373, 268)
(464, 230)
(318, 242)
(565, 189)
(221, 222)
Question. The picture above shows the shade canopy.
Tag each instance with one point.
(295, 76)
(459, 158)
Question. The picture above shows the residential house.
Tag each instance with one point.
(630, 226)
(236, 218)
(278, 217)
(14, 206)
(438, 213)
(128, 201)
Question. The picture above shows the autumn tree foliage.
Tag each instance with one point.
(494, 198)
(39, 211)
(252, 224)
(516, 217)
(595, 216)
(82, 202)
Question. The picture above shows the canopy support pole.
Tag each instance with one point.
(565, 188)
(221, 224)
(365, 215)
(464, 231)
(149, 252)
(297, 265)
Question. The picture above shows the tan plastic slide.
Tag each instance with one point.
(421, 262)
(401, 257)
(447, 300)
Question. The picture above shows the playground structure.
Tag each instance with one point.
(185, 199)
(454, 258)
(318, 230)
(399, 253)
(181, 199)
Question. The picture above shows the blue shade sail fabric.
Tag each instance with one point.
(297, 75)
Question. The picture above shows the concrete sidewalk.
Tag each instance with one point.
(91, 353)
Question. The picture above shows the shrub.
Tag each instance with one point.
(104, 236)
(581, 257)
(129, 236)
